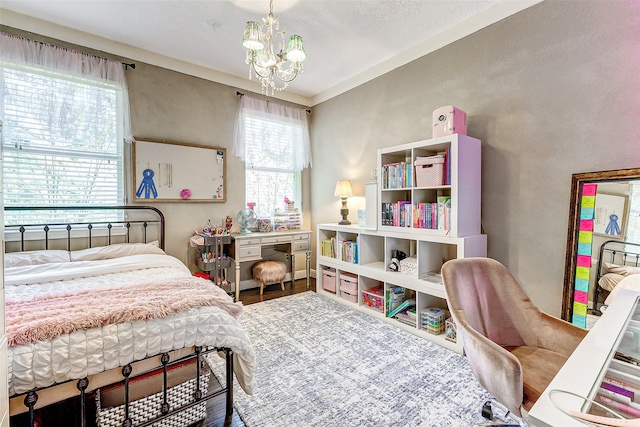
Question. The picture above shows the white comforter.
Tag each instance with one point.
(632, 281)
(84, 353)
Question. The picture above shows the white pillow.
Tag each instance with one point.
(19, 259)
(625, 270)
(610, 280)
(117, 250)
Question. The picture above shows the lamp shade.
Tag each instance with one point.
(343, 189)
(295, 49)
(251, 38)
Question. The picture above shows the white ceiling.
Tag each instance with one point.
(347, 41)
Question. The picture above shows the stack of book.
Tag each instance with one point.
(394, 296)
(349, 251)
(397, 175)
(397, 214)
(328, 247)
(407, 316)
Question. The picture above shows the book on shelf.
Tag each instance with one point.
(425, 215)
(327, 248)
(394, 297)
(407, 316)
(397, 175)
(349, 250)
(403, 306)
(444, 212)
(446, 154)
(397, 214)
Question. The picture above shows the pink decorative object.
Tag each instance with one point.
(185, 193)
(449, 120)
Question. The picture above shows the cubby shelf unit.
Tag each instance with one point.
(374, 256)
(464, 188)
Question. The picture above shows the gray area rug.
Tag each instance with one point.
(321, 363)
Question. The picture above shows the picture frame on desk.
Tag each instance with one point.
(611, 215)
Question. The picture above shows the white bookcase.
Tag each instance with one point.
(464, 187)
(430, 248)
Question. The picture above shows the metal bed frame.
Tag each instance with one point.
(614, 252)
(83, 385)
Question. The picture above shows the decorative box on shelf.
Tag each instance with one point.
(409, 266)
(429, 171)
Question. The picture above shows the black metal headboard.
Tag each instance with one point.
(156, 218)
(615, 252)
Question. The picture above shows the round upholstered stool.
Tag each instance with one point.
(268, 271)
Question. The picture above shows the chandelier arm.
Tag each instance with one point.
(288, 80)
(255, 70)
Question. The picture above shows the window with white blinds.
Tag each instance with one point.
(62, 142)
(633, 222)
(270, 171)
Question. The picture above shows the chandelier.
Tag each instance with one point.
(267, 65)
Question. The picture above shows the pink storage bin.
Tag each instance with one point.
(349, 283)
(348, 296)
(429, 171)
(329, 279)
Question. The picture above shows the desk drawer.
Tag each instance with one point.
(302, 245)
(249, 242)
(278, 239)
(249, 252)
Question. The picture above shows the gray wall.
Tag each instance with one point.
(551, 91)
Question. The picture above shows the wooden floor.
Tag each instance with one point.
(216, 406)
(59, 415)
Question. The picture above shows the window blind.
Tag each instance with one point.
(270, 163)
(62, 142)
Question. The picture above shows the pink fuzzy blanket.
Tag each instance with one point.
(47, 316)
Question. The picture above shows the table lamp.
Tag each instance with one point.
(343, 190)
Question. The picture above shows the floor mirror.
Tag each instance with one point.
(598, 191)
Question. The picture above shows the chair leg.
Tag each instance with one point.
(261, 287)
(282, 284)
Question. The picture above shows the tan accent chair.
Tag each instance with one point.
(513, 348)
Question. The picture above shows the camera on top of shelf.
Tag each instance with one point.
(396, 257)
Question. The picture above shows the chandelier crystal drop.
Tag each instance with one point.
(262, 59)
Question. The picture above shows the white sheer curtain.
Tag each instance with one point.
(272, 111)
(24, 52)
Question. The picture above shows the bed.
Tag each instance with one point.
(618, 268)
(103, 310)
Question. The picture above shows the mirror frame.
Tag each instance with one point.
(577, 180)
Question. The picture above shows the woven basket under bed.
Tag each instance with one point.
(148, 407)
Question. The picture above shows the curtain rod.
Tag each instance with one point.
(242, 94)
(126, 65)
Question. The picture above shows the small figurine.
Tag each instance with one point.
(228, 223)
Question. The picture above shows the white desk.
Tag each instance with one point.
(584, 370)
(248, 247)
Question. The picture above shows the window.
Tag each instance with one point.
(269, 171)
(273, 140)
(63, 138)
(633, 222)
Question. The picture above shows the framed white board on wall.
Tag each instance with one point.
(172, 171)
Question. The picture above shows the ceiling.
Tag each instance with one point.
(348, 42)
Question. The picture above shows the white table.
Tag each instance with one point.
(584, 370)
